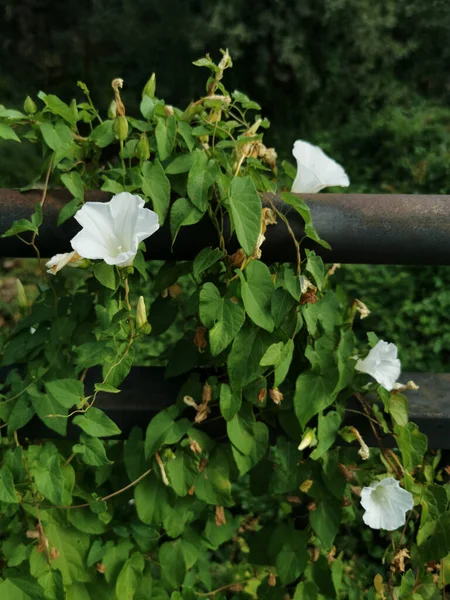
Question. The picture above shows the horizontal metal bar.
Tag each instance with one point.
(145, 392)
(361, 229)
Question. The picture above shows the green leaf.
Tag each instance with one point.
(151, 497)
(60, 108)
(21, 414)
(103, 135)
(106, 275)
(49, 479)
(185, 130)
(180, 164)
(246, 211)
(74, 184)
(272, 355)
(213, 485)
(111, 186)
(230, 402)
(292, 557)
(87, 521)
(165, 132)
(44, 405)
(7, 133)
(96, 424)
(240, 429)
(200, 179)
(206, 259)
(412, 445)
(325, 520)
(282, 367)
(257, 289)
(114, 558)
(19, 227)
(280, 304)
(438, 544)
(163, 429)
(106, 388)
(66, 392)
(91, 451)
(258, 449)
(313, 392)
(398, 409)
(328, 428)
(345, 360)
(245, 101)
(182, 471)
(173, 563)
(128, 580)
(13, 588)
(302, 208)
(68, 210)
(72, 546)
(156, 185)
(314, 265)
(222, 316)
(183, 213)
(59, 139)
(94, 353)
(7, 491)
(247, 350)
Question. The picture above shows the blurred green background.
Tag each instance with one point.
(368, 81)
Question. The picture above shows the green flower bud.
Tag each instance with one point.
(74, 108)
(121, 128)
(149, 89)
(143, 148)
(20, 294)
(112, 110)
(308, 439)
(29, 106)
(141, 316)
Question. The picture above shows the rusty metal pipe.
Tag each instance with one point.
(361, 228)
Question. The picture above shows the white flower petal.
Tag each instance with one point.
(88, 246)
(385, 504)
(382, 364)
(59, 261)
(95, 218)
(316, 170)
(112, 231)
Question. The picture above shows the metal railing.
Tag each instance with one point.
(361, 229)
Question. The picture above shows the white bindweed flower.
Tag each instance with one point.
(112, 231)
(316, 170)
(59, 261)
(382, 364)
(385, 504)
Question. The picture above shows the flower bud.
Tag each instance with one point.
(112, 110)
(20, 294)
(143, 148)
(121, 128)
(74, 108)
(308, 439)
(306, 486)
(141, 316)
(150, 86)
(276, 395)
(29, 106)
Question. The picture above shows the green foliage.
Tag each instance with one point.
(184, 510)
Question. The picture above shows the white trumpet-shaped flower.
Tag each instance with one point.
(385, 504)
(112, 231)
(382, 364)
(316, 170)
(59, 261)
